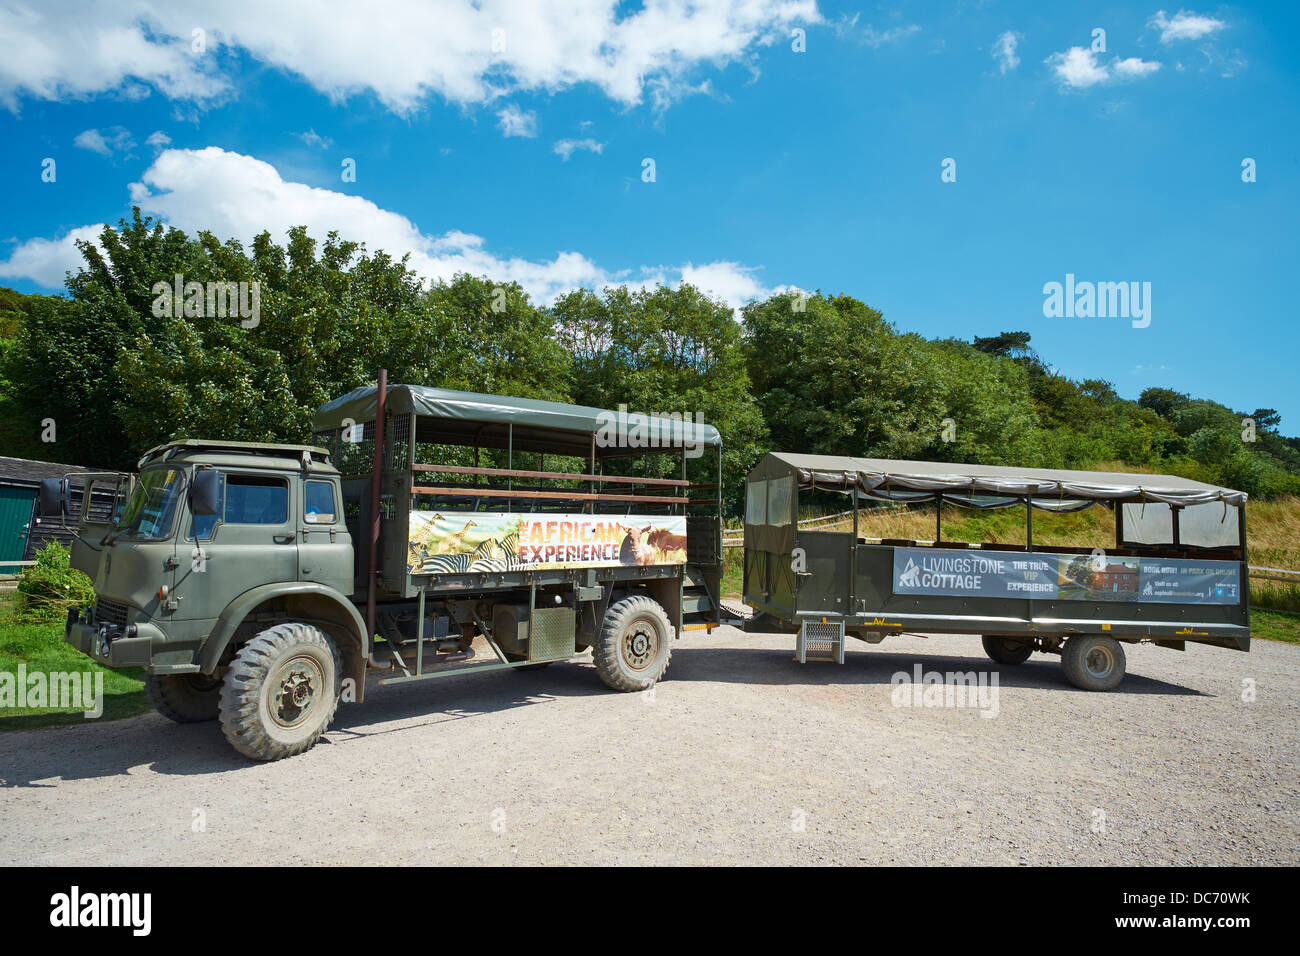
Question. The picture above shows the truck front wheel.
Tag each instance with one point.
(184, 698)
(281, 692)
(1093, 662)
(1006, 650)
(634, 644)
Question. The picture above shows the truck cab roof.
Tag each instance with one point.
(241, 453)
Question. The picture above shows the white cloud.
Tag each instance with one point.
(1184, 25)
(1134, 68)
(732, 282)
(315, 139)
(1078, 68)
(237, 196)
(878, 38)
(1004, 51)
(61, 49)
(517, 122)
(45, 261)
(567, 147)
(158, 139)
(115, 139)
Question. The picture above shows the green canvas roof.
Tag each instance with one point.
(465, 418)
(924, 480)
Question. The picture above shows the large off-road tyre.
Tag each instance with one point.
(1093, 662)
(1006, 650)
(634, 645)
(184, 698)
(281, 692)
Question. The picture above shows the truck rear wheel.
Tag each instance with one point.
(281, 692)
(635, 641)
(1006, 650)
(184, 698)
(1093, 662)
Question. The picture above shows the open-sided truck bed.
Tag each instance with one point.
(497, 513)
(1176, 571)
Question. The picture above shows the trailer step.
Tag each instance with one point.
(820, 641)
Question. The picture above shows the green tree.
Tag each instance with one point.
(666, 351)
(833, 377)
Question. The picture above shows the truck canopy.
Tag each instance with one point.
(453, 418)
(990, 486)
(1150, 509)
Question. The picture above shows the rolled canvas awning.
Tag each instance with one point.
(994, 486)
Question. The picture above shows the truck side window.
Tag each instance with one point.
(318, 503)
(252, 499)
(204, 525)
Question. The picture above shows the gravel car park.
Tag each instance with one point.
(767, 761)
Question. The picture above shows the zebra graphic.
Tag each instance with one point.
(445, 564)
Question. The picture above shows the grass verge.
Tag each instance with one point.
(41, 649)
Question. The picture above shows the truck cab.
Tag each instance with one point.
(269, 517)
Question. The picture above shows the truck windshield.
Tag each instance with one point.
(153, 505)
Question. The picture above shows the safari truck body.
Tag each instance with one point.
(1176, 571)
(260, 583)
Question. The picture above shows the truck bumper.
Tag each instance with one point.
(114, 647)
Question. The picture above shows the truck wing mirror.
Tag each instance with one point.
(205, 493)
(52, 501)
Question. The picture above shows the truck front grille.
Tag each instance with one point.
(110, 612)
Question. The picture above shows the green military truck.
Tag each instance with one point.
(427, 532)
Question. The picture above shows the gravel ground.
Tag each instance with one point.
(740, 756)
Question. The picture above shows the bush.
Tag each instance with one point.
(51, 586)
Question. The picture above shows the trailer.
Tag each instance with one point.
(260, 583)
(1175, 573)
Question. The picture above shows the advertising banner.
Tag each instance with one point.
(459, 542)
(1065, 577)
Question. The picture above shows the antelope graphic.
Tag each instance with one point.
(664, 540)
(632, 551)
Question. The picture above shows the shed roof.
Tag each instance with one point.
(25, 471)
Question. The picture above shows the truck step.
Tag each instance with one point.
(820, 641)
(693, 603)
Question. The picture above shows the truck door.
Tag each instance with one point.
(251, 541)
(324, 547)
(104, 495)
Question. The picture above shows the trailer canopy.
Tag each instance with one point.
(451, 417)
(993, 486)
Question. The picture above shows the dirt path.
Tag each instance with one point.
(741, 756)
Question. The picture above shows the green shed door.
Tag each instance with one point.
(15, 515)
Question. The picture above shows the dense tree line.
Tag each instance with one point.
(818, 373)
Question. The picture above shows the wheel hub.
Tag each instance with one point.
(1098, 662)
(295, 691)
(639, 644)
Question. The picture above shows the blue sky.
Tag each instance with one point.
(509, 139)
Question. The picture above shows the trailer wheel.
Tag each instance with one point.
(1093, 662)
(281, 692)
(1006, 650)
(184, 698)
(635, 641)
